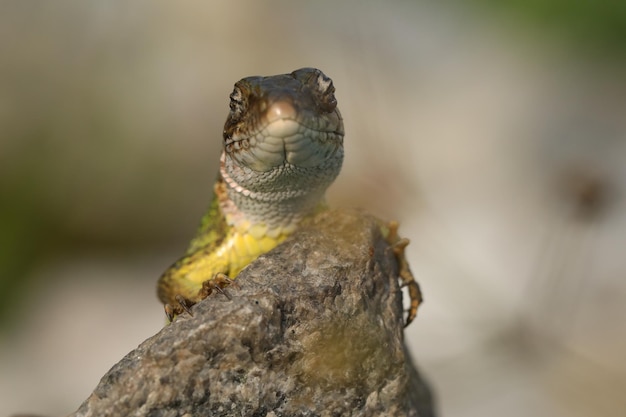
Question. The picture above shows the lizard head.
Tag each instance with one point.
(284, 120)
(283, 146)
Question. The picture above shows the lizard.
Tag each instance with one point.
(282, 148)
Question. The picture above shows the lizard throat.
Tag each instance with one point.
(279, 198)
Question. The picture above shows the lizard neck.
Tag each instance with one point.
(278, 198)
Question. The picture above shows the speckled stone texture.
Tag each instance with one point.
(313, 328)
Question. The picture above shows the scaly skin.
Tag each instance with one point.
(283, 147)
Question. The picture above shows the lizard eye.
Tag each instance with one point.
(237, 103)
(320, 87)
(325, 92)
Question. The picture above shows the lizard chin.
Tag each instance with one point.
(295, 145)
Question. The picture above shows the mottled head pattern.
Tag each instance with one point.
(283, 144)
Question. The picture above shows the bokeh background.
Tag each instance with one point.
(496, 134)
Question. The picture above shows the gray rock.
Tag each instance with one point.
(313, 328)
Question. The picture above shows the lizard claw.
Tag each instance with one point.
(182, 305)
(218, 283)
(169, 312)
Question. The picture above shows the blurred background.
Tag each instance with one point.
(495, 133)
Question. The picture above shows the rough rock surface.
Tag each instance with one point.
(313, 328)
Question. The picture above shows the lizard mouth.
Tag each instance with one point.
(291, 120)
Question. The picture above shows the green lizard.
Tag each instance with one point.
(283, 147)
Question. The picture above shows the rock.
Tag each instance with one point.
(313, 328)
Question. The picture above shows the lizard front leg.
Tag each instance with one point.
(210, 269)
(398, 246)
(192, 278)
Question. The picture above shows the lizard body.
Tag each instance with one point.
(283, 147)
